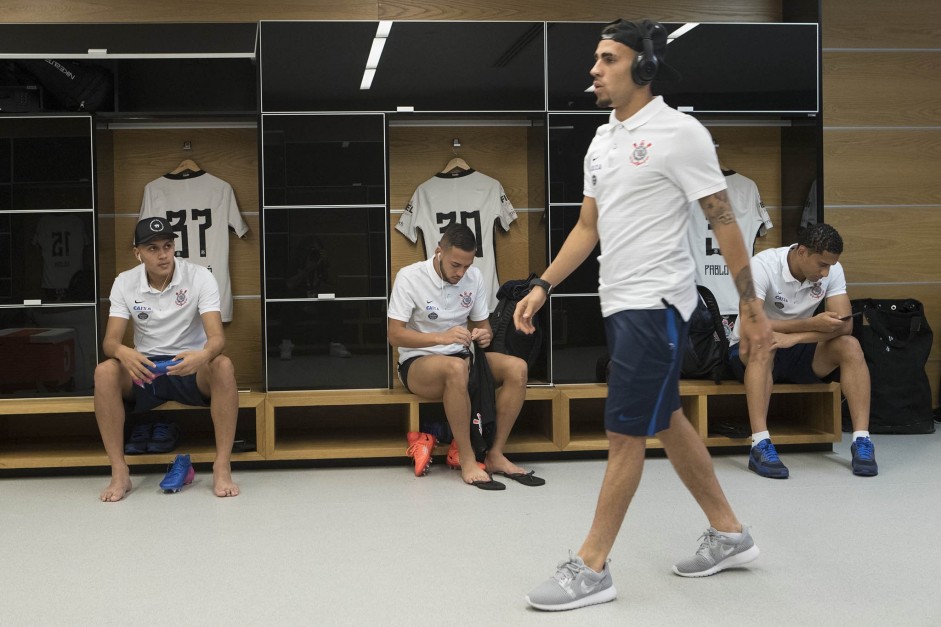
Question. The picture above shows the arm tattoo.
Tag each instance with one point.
(746, 288)
(718, 209)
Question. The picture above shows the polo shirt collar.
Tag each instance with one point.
(640, 118)
(145, 285)
(785, 268)
(438, 281)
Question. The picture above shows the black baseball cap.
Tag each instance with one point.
(631, 34)
(152, 228)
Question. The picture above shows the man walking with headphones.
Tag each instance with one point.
(175, 310)
(642, 170)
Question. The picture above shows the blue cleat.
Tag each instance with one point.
(179, 474)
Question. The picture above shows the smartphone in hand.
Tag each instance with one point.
(852, 315)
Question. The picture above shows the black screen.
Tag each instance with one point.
(313, 252)
(45, 163)
(429, 66)
(578, 339)
(726, 68)
(323, 160)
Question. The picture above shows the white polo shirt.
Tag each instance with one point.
(643, 173)
(168, 322)
(784, 296)
(429, 304)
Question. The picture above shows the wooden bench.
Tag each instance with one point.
(351, 424)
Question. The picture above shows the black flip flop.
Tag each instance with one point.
(526, 478)
(489, 484)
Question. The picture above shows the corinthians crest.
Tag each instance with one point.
(639, 155)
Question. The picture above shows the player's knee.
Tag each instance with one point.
(107, 373)
(517, 372)
(455, 372)
(222, 368)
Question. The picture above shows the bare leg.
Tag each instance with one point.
(437, 376)
(110, 383)
(693, 464)
(219, 377)
(758, 384)
(845, 352)
(510, 373)
(621, 478)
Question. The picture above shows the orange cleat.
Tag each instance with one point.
(454, 460)
(420, 446)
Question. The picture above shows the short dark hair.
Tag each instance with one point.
(459, 235)
(821, 238)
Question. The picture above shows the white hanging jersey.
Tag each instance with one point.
(753, 220)
(61, 239)
(468, 197)
(201, 208)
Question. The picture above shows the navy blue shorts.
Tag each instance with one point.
(405, 365)
(791, 365)
(646, 348)
(165, 388)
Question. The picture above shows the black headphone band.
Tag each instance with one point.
(646, 63)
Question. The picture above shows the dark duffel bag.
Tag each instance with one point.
(896, 339)
(77, 86)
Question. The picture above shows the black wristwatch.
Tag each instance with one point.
(537, 282)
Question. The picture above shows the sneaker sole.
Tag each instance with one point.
(752, 467)
(865, 472)
(739, 559)
(603, 596)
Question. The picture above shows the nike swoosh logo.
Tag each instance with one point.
(586, 587)
(138, 302)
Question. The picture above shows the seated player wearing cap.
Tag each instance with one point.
(174, 306)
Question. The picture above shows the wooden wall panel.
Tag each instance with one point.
(184, 11)
(755, 152)
(243, 339)
(882, 88)
(253, 10)
(882, 167)
(889, 244)
(881, 24)
(592, 10)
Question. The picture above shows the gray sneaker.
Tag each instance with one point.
(718, 552)
(572, 586)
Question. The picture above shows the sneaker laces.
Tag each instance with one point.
(415, 447)
(710, 538)
(162, 431)
(864, 449)
(769, 452)
(568, 570)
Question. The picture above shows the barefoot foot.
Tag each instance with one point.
(222, 483)
(118, 488)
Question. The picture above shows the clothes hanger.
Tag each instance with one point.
(186, 164)
(455, 163)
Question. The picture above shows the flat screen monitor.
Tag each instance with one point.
(422, 66)
(770, 68)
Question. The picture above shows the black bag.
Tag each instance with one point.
(896, 340)
(707, 349)
(75, 85)
(480, 388)
(506, 339)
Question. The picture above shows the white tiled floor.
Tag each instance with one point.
(378, 546)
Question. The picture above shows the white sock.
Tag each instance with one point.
(860, 434)
(758, 437)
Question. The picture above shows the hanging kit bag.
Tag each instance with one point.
(896, 340)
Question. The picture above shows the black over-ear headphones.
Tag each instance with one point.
(646, 63)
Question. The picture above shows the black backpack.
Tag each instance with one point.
(76, 85)
(506, 339)
(707, 349)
